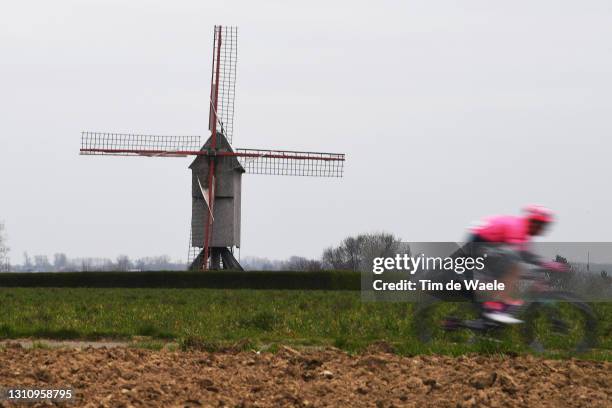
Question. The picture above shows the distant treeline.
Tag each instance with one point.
(62, 263)
(352, 254)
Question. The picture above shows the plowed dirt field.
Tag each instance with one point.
(124, 377)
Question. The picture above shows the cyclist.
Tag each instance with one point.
(506, 240)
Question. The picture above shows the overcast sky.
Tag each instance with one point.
(447, 110)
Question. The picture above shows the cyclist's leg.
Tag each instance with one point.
(504, 266)
(510, 279)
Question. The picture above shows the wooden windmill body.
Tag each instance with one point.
(226, 215)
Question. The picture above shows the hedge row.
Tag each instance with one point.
(324, 280)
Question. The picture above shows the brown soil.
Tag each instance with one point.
(123, 377)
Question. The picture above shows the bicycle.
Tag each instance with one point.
(552, 319)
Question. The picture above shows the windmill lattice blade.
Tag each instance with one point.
(227, 58)
(291, 163)
(126, 144)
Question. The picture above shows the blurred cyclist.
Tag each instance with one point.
(505, 239)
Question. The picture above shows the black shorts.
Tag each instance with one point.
(498, 258)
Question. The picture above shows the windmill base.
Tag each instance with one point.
(220, 258)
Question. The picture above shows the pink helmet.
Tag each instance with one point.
(539, 213)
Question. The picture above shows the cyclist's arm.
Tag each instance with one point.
(531, 258)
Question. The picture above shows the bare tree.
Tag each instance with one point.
(356, 253)
(124, 263)
(60, 262)
(86, 265)
(298, 263)
(42, 264)
(27, 263)
(3, 249)
(347, 255)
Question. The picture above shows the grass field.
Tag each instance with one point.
(216, 317)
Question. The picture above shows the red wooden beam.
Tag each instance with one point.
(271, 154)
(211, 165)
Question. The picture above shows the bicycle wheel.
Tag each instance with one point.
(435, 320)
(560, 321)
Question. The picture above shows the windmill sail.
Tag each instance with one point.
(129, 144)
(291, 163)
(222, 95)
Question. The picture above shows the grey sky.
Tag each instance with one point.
(447, 111)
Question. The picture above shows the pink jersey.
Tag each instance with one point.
(507, 229)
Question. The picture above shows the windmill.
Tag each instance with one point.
(218, 167)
